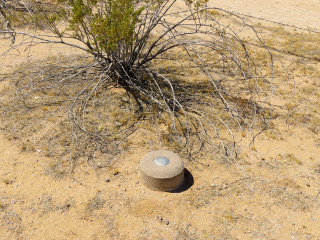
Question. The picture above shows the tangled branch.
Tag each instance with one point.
(182, 61)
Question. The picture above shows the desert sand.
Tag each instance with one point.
(277, 198)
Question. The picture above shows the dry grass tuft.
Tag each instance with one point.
(95, 203)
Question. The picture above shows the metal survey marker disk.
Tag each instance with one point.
(162, 171)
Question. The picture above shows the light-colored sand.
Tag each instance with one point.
(277, 201)
(299, 13)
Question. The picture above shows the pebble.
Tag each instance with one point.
(167, 222)
(308, 184)
(107, 180)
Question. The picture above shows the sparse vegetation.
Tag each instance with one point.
(218, 90)
(95, 203)
(271, 192)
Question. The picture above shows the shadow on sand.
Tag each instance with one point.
(188, 182)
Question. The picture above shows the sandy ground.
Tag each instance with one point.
(299, 13)
(277, 200)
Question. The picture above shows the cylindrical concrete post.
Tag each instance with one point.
(162, 171)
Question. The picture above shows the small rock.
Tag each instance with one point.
(137, 182)
(167, 222)
(159, 218)
(107, 180)
(308, 184)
